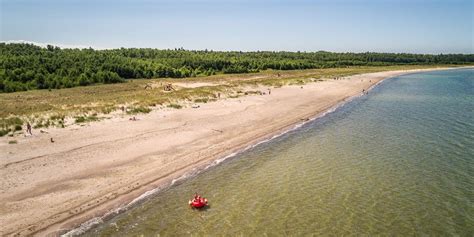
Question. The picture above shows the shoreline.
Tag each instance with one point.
(194, 172)
(60, 223)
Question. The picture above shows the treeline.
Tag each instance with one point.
(26, 66)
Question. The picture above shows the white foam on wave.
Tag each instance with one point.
(99, 220)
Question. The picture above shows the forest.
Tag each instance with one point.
(27, 67)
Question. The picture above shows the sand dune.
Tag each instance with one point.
(47, 188)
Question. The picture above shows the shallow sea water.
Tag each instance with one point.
(399, 161)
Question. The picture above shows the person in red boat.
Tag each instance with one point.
(198, 201)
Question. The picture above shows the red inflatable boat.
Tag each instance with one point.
(198, 202)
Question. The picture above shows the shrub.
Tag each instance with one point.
(8, 122)
(80, 119)
(84, 119)
(175, 106)
(4, 132)
(137, 110)
(201, 100)
(107, 110)
(56, 117)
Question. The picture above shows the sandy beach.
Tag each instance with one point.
(49, 188)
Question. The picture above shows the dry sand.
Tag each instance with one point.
(47, 188)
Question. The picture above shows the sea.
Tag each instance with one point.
(396, 162)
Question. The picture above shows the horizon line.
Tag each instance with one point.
(70, 46)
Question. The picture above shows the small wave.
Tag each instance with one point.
(84, 227)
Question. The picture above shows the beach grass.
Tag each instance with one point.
(10, 124)
(138, 110)
(175, 106)
(86, 118)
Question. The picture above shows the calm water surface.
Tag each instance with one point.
(399, 161)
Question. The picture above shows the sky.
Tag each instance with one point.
(411, 26)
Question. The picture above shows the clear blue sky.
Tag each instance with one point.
(419, 26)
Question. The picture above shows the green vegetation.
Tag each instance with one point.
(4, 132)
(10, 124)
(45, 108)
(252, 93)
(201, 100)
(12, 142)
(85, 118)
(25, 66)
(18, 127)
(138, 110)
(175, 106)
(42, 123)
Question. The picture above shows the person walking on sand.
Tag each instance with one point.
(28, 128)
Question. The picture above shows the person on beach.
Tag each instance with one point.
(269, 91)
(28, 128)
